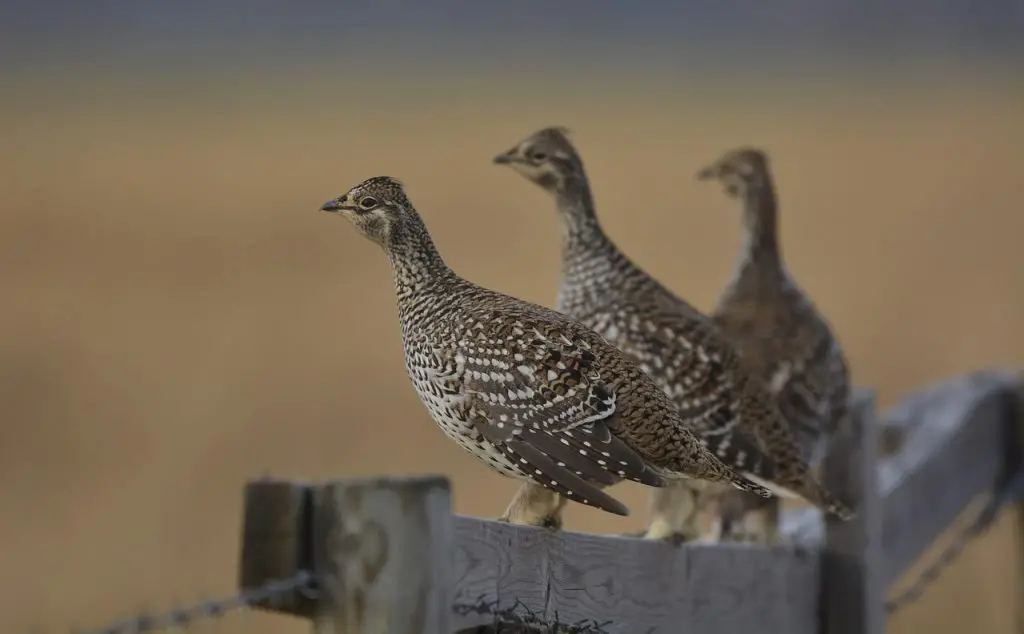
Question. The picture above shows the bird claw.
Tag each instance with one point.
(754, 537)
(675, 538)
(678, 539)
(551, 522)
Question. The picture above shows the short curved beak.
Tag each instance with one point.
(332, 206)
(707, 173)
(503, 159)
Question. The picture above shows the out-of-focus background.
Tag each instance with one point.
(177, 316)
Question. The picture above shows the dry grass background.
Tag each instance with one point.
(178, 317)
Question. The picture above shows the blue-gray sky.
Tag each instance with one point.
(150, 35)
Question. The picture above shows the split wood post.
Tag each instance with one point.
(853, 585)
(383, 550)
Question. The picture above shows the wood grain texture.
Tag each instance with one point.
(853, 591)
(953, 452)
(275, 540)
(632, 585)
(382, 552)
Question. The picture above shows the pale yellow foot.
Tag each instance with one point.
(759, 526)
(675, 512)
(533, 505)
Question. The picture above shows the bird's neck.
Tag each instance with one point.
(590, 260)
(417, 266)
(582, 234)
(760, 252)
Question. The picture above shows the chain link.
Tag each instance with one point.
(272, 592)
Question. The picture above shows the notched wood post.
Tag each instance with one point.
(276, 529)
(383, 550)
(853, 588)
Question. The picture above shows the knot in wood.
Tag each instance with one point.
(361, 548)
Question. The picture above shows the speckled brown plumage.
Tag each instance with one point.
(779, 331)
(528, 391)
(680, 348)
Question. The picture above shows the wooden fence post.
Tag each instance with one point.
(852, 585)
(1016, 454)
(383, 550)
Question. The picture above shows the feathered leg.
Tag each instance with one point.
(533, 505)
(675, 512)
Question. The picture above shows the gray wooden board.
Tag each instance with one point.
(629, 585)
(953, 454)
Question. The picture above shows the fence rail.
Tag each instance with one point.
(388, 555)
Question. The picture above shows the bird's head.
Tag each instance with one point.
(738, 170)
(547, 158)
(377, 207)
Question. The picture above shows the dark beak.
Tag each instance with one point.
(333, 205)
(503, 159)
(708, 173)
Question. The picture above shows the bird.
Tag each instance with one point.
(531, 393)
(777, 327)
(674, 343)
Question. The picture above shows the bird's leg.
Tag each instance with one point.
(757, 522)
(675, 512)
(533, 505)
(728, 523)
(762, 523)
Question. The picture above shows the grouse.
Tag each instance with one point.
(530, 392)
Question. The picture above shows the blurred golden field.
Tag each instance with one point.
(179, 317)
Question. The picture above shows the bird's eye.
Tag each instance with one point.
(539, 156)
(367, 203)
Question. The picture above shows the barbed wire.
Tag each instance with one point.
(272, 592)
(1007, 494)
(520, 619)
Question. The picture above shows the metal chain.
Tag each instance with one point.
(272, 592)
(1010, 492)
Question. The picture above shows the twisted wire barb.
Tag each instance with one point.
(1010, 492)
(521, 619)
(272, 592)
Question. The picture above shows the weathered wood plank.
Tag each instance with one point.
(382, 552)
(632, 585)
(853, 592)
(951, 456)
(275, 540)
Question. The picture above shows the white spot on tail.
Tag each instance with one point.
(777, 489)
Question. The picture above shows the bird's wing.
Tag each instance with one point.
(539, 396)
(681, 356)
(812, 389)
(801, 384)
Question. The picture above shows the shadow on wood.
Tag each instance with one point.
(277, 540)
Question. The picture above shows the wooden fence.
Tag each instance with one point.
(389, 556)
